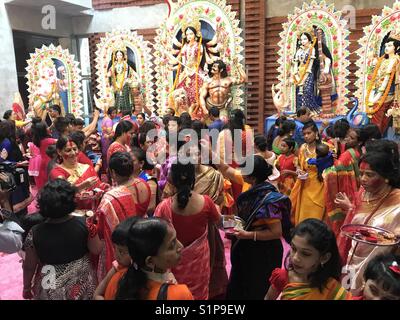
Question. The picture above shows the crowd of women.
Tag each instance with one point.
(113, 223)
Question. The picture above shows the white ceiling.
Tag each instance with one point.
(67, 8)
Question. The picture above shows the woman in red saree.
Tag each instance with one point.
(82, 176)
(115, 206)
(342, 177)
(42, 139)
(122, 138)
(190, 213)
(377, 205)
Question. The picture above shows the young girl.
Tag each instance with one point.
(287, 164)
(109, 285)
(382, 278)
(286, 131)
(307, 196)
(314, 266)
(153, 247)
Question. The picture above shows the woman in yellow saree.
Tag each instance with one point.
(307, 196)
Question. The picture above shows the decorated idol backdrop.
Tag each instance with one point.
(54, 78)
(124, 71)
(378, 73)
(313, 60)
(195, 34)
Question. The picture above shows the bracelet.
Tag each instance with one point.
(255, 236)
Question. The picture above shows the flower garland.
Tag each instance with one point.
(371, 111)
(307, 64)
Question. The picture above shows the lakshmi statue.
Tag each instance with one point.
(48, 88)
(123, 79)
(310, 68)
(191, 56)
(383, 87)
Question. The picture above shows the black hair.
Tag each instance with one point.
(123, 126)
(111, 110)
(176, 119)
(61, 124)
(183, 178)
(321, 150)
(378, 270)
(260, 142)
(145, 238)
(302, 111)
(57, 199)
(122, 164)
(140, 154)
(385, 163)
(70, 117)
(185, 120)
(147, 126)
(340, 128)
(5, 129)
(142, 114)
(39, 131)
(368, 132)
(165, 119)
(279, 120)
(120, 234)
(311, 125)
(78, 137)
(214, 111)
(383, 145)
(290, 142)
(330, 132)
(221, 67)
(51, 151)
(127, 113)
(387, 39)
(197, 126)
(261, 170)
(56, 108)
(286, 127)
(236, 122)
(321, 237)
(7, 115)
(79, 122)
(62, 142)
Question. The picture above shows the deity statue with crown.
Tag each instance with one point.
(48, 88)
(122, 78)
(384, 81)
(192, 53)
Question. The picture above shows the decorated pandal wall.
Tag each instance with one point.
(196, 62)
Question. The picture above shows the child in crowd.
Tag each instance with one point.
(314, 267)
(323, 160)
(287, 165)
(107, 289)
(382, 278)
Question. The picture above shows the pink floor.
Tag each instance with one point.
(11, 270)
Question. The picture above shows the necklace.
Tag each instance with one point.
(367, 196)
